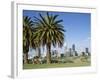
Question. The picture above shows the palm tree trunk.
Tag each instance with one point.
(26, 58)
(39, 52)
(48, 54)
(36, 50)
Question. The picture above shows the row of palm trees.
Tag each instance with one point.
(42, 31)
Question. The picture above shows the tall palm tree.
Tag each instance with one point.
(36, 45)
(49, 31)
(27, 33)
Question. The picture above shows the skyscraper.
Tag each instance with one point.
(73, 47)
(86, 50)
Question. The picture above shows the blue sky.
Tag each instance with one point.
(77, 26)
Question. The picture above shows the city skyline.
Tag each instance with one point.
(69, 49)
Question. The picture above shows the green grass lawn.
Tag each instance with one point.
(56, 65)
(72, 62)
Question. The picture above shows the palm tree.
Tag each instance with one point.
(49, 31)
(27, 33)
(36, 45)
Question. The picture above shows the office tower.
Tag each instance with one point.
(73, 47)
(86, 50)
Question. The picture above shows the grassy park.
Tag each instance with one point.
(72, 63)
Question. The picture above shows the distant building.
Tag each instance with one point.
(66, 53)
(73, 51)
(87, 51)
(73, 47)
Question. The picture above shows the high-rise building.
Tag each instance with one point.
(73, 47)
(86, 50)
